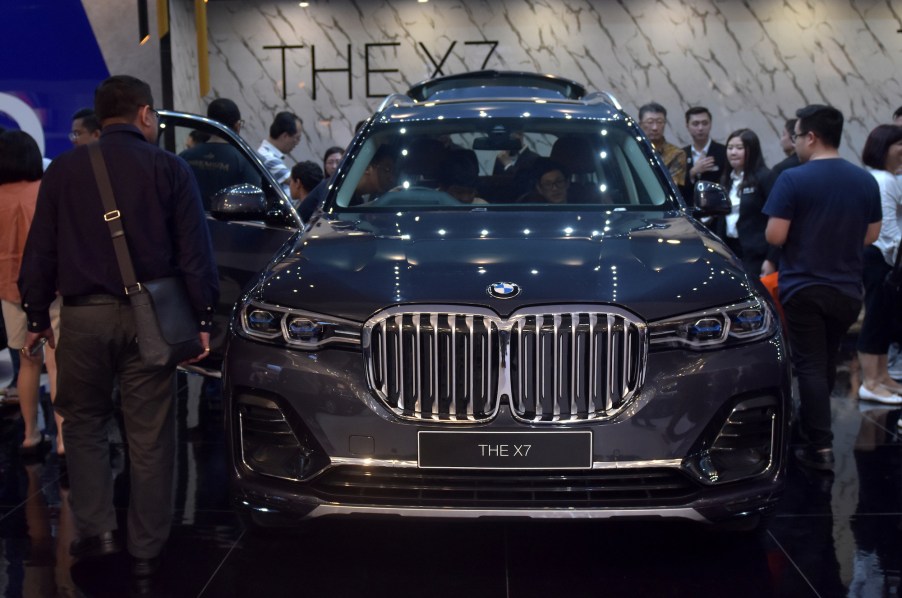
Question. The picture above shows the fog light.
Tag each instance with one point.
(743, 446)
(269, 445)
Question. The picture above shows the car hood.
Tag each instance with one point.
(655, 264)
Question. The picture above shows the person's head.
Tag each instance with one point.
(653, 120)
(698, 123)
(195, 138)
(225, 111)
(123, 99)
(458, 174)
(818, 129)
(20, 158)
(85, 127)
(786, 143)
(304, 177)
(379, 175)
(897, 116)
(285, 131)
(744, 152)
(331, 159)
(883, 149)
(550, 179)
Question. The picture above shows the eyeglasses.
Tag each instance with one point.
(73, 135)
(556, 184)
(793, 136)
(155, 113)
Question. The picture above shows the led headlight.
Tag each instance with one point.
(295, 328)
(729, 324)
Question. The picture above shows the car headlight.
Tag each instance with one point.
(295, 328)
(712, 328)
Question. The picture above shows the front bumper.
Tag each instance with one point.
(364, 460)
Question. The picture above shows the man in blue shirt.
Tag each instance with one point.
(822, 213)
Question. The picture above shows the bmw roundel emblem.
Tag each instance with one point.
(503, 290)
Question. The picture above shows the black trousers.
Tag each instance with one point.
(97, 344)
(818, 318)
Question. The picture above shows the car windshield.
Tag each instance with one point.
(502, 164)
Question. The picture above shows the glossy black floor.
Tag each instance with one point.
(835, 535)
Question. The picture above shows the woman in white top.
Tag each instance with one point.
(882, 155)
(743, 229)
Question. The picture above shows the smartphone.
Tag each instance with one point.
(38, 346)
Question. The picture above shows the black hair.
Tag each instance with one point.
(459, 167)
(88, 118)
(309, 173)
(121, 96)
(225, 111)
(877, 145)
(824, 121)
(284, 122)
(199, 136)
(754, 161)
(542, 166)
(693, 111)
(20, 158)
(897, 113)
(790, 125)
(652, 107)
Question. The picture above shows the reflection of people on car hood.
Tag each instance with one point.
(459, 174)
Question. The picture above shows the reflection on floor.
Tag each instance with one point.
(833, 535)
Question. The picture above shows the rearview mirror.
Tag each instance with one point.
(710, 199)
(239, 202)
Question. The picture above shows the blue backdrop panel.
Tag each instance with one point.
(49, 59)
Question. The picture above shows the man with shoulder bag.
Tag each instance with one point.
(113, 219)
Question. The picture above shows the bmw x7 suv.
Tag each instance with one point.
(503, 308)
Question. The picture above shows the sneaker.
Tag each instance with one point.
(869, 395)
(815, 458)
(10, 392)
(899, 424)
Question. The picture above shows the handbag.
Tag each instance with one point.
(167, 330)
(893, 281)
(771, 283)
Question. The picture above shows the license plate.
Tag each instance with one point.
(505, 450)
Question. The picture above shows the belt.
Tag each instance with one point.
(86, 300)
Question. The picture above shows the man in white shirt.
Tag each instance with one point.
(284, 136)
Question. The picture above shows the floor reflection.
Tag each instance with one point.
(833, 535)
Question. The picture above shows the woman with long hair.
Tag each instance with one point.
(743, 229)
(21, 168)
(882, 155)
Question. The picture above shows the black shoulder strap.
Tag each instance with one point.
(114, 219)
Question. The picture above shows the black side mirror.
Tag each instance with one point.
(710, 199)
(239, 202)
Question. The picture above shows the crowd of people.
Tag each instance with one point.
(831, 229)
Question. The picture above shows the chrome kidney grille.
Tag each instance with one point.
(559, 363)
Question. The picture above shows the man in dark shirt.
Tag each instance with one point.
(215, 163)
(69, 249)
(821, 263)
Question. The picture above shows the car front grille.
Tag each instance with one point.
(505, 489)
(553, 364)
